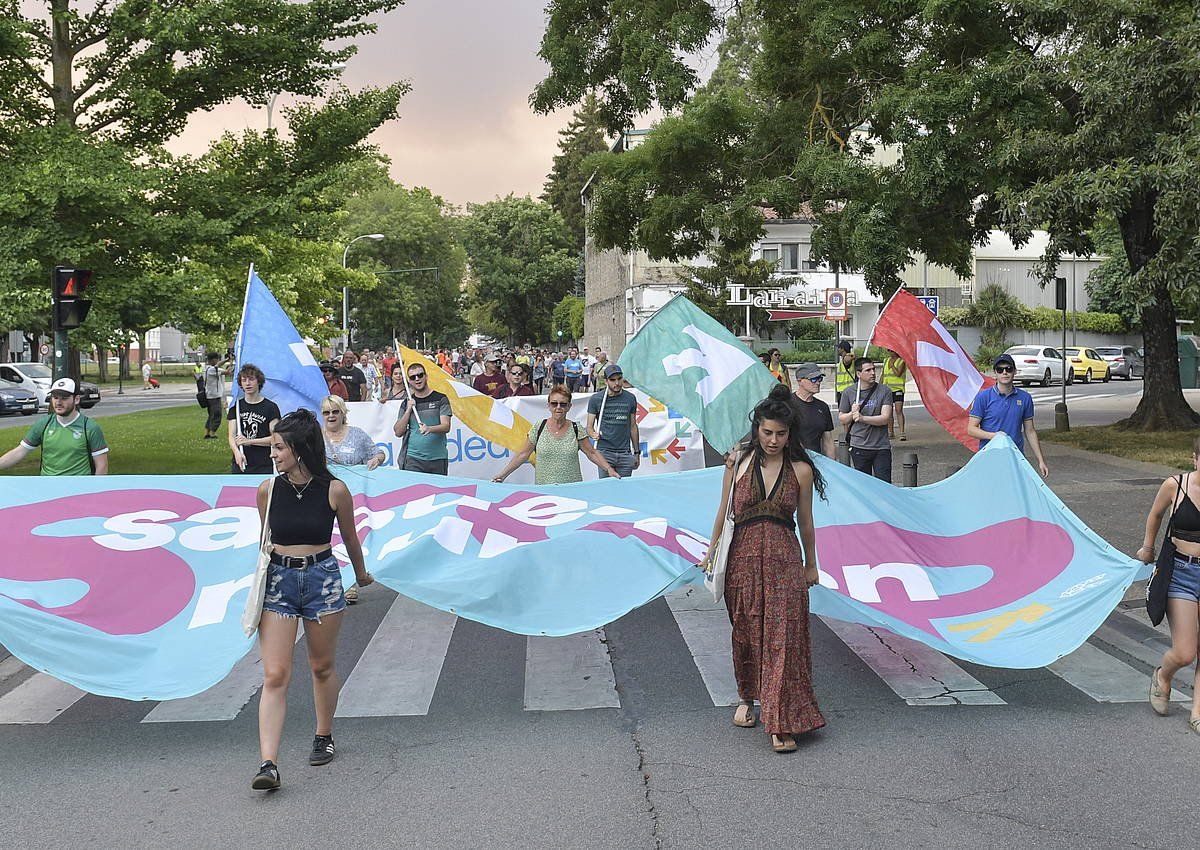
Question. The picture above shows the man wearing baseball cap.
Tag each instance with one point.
(490, 382)
(1005, 409)
(71, 443)
(612, 423)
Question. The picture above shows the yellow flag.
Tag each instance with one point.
(494, 422)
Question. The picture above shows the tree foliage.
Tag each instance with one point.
(523, 259)
(420, 233)
(568, 318)
(577, 142)
(910, 125)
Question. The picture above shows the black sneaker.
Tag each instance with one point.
(267, 778)
(322, 751)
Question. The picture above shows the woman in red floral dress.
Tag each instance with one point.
(769, 572)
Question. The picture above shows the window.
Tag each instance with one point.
(790, 260)
(10, 375)
(771, 254)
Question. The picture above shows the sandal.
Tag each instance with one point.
(1194, 725)
(745, 719)
(1160, 702)
(783, 743)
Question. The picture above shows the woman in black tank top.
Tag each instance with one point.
(303, 582)
(1179, 498)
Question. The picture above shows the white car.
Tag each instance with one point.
(1039, 364)
(37, 377)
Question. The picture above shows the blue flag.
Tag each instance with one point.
(688, 360)
(270, 341)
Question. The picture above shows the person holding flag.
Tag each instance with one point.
(1006, 409)
(252, 418)
(424, 423)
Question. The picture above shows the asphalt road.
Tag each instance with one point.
(1041, 760)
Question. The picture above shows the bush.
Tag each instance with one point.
(986, 354)
(1040, 319)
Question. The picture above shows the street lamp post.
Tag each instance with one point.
(346, 290)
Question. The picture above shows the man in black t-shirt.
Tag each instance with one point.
(816, 420)
(352, 376)
(252, 418)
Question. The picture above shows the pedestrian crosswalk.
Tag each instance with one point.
(400, 667)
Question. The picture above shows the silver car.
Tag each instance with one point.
(1039, 364)
(1123, 361)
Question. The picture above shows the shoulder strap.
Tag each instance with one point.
(575, 427)
(541, 427)
(1175, 507)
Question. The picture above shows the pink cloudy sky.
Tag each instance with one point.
(465, 130)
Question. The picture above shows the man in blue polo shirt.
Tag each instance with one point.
(1005, 409)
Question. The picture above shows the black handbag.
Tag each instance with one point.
(1160, 579)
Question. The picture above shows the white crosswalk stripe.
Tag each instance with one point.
(399, 670)
(569, 673)
(39, 699)
(707, 633)
(224, 700)
(918, 674)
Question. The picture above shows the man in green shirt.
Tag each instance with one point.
(71, 443)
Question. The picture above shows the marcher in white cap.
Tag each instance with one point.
(71, 443)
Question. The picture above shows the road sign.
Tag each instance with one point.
(931, 302)
(835, 305)
(44, 349)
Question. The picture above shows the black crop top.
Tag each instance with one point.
(300, 516)
(1185, 522)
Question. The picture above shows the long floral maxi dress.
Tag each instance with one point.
(767, 599)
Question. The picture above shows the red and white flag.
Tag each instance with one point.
(945, 375)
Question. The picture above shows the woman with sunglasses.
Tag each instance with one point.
(304, 582)
(558, 442)
(345, 444)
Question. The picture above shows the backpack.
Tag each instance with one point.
(201, 394)
(542, 426)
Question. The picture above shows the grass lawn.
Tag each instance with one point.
(1170, 448)
(153, 442)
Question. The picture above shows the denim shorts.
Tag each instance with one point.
(310, 592)
(1185, 581)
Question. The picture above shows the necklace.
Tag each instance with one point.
(299, 492)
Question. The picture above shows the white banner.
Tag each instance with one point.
(670, 443)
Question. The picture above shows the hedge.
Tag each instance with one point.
(1041, 319)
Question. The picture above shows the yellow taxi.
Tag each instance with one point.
(1087, 364)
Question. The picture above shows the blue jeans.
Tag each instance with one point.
(310, 592)
(622, 462)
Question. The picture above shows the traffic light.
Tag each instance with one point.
(70, 307)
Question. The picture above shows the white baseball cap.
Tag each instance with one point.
(64, 385)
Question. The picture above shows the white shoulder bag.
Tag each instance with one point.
(718, 550)
(258, 583)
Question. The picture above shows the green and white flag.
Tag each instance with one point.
(686, 359)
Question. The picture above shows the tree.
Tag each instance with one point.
(568, 317)
(408, 299)
(523, 260)
(135, 71)
(919, 126)
(579, 140)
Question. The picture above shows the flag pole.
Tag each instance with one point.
(407, 399)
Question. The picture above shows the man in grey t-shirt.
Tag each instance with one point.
(612, 423)
(866, 408)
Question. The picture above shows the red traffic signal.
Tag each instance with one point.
(70, 307)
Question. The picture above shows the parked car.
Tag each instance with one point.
(37, 377)
(1038, 364)
(1123, 361)
(1087, 364)
(14, 399)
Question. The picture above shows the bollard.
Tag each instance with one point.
(843, 453)
(910, 470)
(1062, 421)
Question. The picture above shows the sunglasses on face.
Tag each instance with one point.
(1000, 369)
(330, 412)
(817, 379)
(417, 376)
(560, 404)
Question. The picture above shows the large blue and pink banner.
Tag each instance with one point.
(134, 586)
